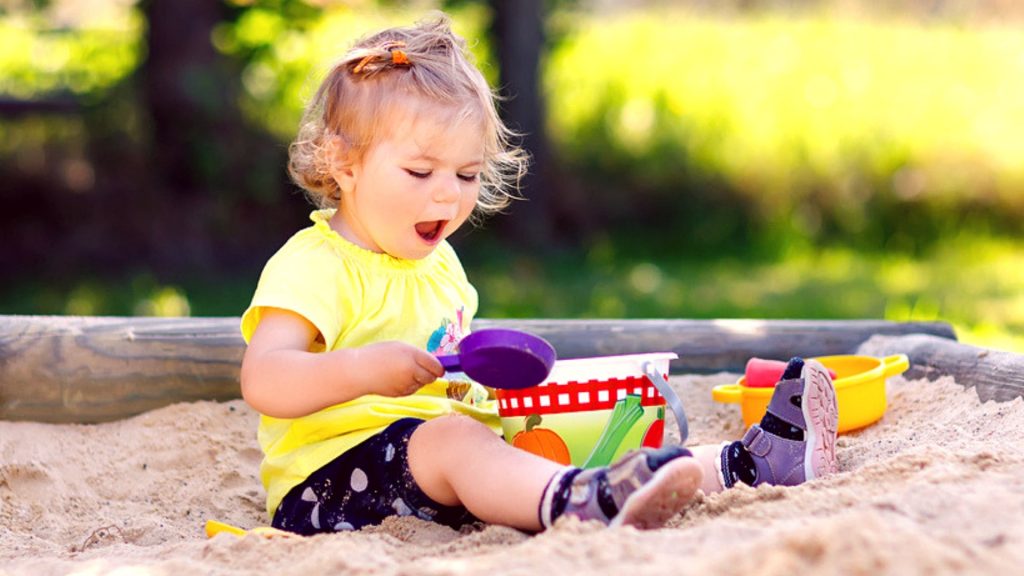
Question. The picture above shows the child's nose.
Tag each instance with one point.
(448, 189)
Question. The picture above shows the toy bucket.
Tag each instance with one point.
(590, 411)
(859, 383)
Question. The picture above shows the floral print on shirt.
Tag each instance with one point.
(445, 340)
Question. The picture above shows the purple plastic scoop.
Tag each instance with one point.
(502, 358)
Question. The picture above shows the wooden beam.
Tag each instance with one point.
(93, 369)
(72, 369)
(996, 375)
(714, 345)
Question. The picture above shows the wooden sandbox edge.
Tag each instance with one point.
(95, 369)
(995, 374)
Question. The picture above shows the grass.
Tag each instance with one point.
(974, 283)
(786, 108)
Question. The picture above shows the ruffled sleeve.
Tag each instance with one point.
(303, 277)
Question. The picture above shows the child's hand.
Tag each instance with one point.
(397, 368)
(282, 378)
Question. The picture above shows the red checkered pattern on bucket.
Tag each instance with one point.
(572, 396)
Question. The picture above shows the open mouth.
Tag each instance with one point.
(430, 231)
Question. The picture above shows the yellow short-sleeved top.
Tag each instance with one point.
(356, 297)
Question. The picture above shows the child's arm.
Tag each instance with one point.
(282, 378)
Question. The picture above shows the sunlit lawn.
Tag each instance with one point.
(977, 285)
(791, 111)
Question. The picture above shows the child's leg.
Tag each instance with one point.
(456, 460)
(709, 456)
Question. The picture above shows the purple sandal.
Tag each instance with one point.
(806, 404)
(643, 489)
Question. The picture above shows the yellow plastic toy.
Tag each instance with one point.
(860, 390)
(213, 527)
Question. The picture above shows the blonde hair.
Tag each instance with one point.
(426, 61)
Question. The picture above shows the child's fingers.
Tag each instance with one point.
(432, 365)
(424, 377)
(427, 369)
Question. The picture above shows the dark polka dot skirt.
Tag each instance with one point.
(362, 487)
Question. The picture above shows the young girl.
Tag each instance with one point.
(400, 146)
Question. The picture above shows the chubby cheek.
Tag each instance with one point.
(402, 205)
(468, 203)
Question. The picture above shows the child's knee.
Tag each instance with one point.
(447, 439)
(455, 427)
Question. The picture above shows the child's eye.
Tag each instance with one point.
(469, 177)
(417, 174)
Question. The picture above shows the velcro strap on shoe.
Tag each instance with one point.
(781, 405)
(757, 441)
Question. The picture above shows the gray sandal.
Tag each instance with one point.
(644, 488)
(807, 403)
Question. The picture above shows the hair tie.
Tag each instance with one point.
(398, 57)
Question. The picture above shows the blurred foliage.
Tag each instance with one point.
(39, 58)
(771, 131)
(975, 283)
(738, 134)
(738, 165)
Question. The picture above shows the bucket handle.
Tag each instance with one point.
(727, 393)
(671, 398)
(895, 364)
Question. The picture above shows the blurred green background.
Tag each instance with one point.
(815, 159)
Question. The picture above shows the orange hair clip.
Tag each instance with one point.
(398, 57)
(362, 64)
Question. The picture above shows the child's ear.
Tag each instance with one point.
(339, 153)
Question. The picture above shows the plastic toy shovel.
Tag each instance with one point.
(502, 358)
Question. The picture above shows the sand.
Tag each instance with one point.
(936, 487)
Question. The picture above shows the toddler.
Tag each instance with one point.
(399, 147)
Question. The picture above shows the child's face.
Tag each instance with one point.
(413, 188)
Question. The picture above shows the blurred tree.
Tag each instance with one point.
(176, 173)
(207, 161)
(520, 40)
(187, 92)
(191, 108)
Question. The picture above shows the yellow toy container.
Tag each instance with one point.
(860, 390)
